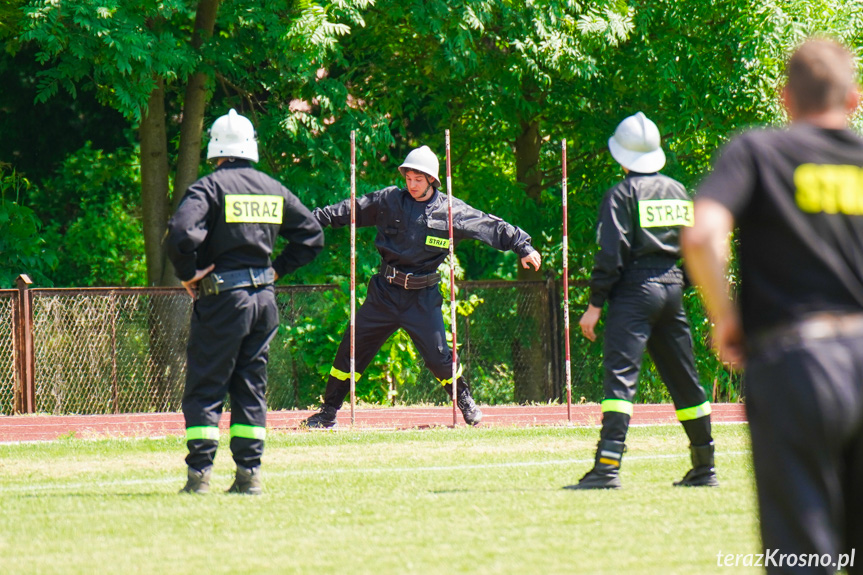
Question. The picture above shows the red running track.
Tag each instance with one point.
(50, 427)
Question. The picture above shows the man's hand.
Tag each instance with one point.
(589, 320)
(532, 258)
(192, 285)
(729, 343)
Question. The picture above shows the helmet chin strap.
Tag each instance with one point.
(429, 186)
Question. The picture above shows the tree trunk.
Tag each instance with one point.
(154, 181)
(531, 358)
(166, 364)
(192, 126)
(168, 315)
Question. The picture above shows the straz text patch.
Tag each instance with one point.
(824, 188)
(665, 213)
(437, 242)
(253, 209)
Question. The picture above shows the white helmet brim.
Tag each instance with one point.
(636, 145)
(641, 162)
(422, 160)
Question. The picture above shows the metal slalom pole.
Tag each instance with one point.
(353, 274)
(565, 241)
(452, 302)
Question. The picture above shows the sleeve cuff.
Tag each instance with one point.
(525, 250)
(281, 269)
(186, 273)
(597, 299)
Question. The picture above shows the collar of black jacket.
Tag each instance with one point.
(234, 163)
(436, 195)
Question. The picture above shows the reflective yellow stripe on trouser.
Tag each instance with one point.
(343, 375)
(449, 380)
(690, 413)
(202, 432)
(617, 405)
(248, 431)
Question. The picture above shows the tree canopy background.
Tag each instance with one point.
(105, 105)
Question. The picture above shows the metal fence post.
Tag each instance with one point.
(26, 401)
(115, 392)
(554, 337)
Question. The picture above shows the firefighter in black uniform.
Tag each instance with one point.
(796, 198)
(636, 271)
(413, 240)
(220, 241)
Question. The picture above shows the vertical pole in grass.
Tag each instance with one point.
(353, 274)
(565, 243)
(452, 301)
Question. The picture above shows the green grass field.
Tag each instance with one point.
(485, 500)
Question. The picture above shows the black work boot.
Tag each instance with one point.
(469, 410)
(702, 473)
(324, 419)
(606, 467)
(247, 481)
(198, 481)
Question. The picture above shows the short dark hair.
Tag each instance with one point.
(415, 171)
(820, 73)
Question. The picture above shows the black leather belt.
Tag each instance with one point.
(814, 328)
(408, 280)
(672, 276)
(217, 283)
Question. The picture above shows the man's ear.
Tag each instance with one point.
(852, 100)
(787, 101)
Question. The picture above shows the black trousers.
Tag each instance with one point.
(804, 402)
(650, 316)
(227, 354)
(387, 308)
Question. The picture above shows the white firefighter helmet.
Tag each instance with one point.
(233, 136)
(635, 145)
(423, 160)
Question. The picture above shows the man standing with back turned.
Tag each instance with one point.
(636, 271)
(413, 240)
(796, 198)
(220, 241)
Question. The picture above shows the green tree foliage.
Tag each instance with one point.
(510, 79)
(487, 70)
(94, 219)
(22, 247)
(147, 59)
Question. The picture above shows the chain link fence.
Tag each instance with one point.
(122, 350)
(511, 334)
(109, 351)
(8, 369)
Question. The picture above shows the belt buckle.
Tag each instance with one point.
(407, 278)
(388, 277)
(209, 285)
(253, 278)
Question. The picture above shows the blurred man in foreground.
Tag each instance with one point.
(796, 198)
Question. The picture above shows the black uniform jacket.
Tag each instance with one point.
(231, 218)
(639, 219)
(797, 197)
(414, 236)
